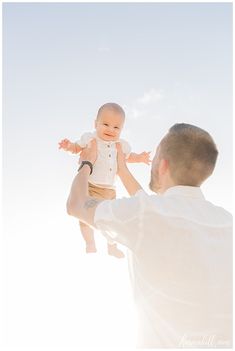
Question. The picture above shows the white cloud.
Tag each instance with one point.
(148, 105)
(150, 97)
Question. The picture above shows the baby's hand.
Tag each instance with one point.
(145, 157)
(65, 144)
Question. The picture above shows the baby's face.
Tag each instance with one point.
(109, 125)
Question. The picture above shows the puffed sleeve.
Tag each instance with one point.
(120, 219)
(85, 139)
(126, 148)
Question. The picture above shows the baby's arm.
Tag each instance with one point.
(137, 158)
(67, 145)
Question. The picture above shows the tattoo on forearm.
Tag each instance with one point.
(91, 203)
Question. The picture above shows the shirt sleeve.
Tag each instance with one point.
(120, 219)
(85, 139)
(126, 148)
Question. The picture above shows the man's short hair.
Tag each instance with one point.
(113, 107)
(191, 153)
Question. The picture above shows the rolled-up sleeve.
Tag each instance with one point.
(120, 219)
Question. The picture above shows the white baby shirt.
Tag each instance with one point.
(105, 167)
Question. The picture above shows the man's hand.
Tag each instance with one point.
(130, 183)
(121, 158)
(89, 153)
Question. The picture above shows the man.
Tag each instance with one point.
(180, 244)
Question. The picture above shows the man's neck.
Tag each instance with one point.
(166, 186)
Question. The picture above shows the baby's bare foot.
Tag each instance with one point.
(90, 248)
(114, 251)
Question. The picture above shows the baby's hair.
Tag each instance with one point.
(111, 106)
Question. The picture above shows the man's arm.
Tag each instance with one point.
(79, 203)
(130, 183)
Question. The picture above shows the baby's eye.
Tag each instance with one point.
(116, 127)
(105, 124)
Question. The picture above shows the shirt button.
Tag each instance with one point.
(110, 169)
(109, 155)
(108, 145)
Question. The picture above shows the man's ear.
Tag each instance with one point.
(95, 123)
(163, 166)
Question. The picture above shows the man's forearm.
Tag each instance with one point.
(130, 183)
(79, 203)
(79, 191)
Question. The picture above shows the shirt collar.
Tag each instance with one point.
(183, 190)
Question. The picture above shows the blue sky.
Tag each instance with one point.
(163, 62)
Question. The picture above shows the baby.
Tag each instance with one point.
(108, 126)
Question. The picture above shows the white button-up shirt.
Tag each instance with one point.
(105, 168)
(180, 263)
